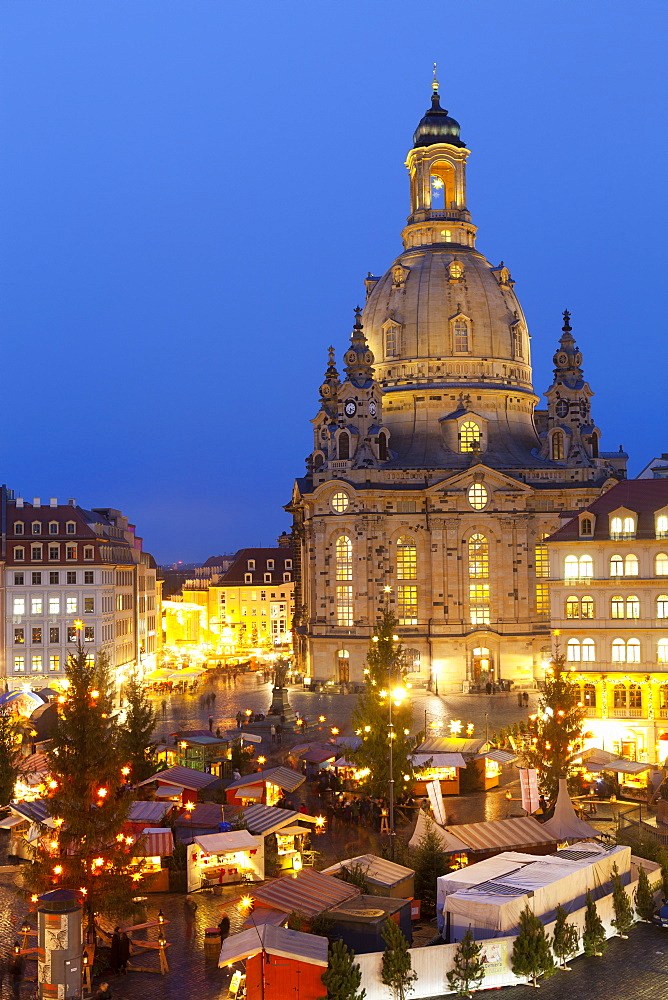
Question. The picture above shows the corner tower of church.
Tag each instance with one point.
(432, 472)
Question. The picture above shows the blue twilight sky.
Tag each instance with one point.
(192, 193)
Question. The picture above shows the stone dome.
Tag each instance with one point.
(437, 126)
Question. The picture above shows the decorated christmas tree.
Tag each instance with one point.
(623, 919)
(556, 729)
(397, 971)
(9, 758)
(87, 850)
(566, 937)
(593, 939)
(342, 976)
(468, 970)
(531, 956)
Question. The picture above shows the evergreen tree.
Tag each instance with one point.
(429, 861)
(87, 851)
(397, 970)
(468, 970)
(371, 715)
(556, 730)
(137, 731)
(623, 920)
(593, 939)
(566, 938)
(531, 955)
(644, 897)
(342, 976)
(9, 762)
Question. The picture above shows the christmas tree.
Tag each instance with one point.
(342, 976)
(556, 730)
(396, 971)
(468, 970)
(87, 850)
(9, 761)
(371, 717)
(593, 939)
(137, 731)
(429, 861)
(566, 938)
(644, 897)
(531, 955)
(623, 920)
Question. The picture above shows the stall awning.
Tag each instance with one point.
(155, 842)
(438, 760)
(168, 791)
(11, 821)
(620, 766)
(309, 891)
(225, 843)
(278, 941)
(253, 792)
(500, 756)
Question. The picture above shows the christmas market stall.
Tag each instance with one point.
(461, 765)
(285, 832)
(28, 822)
(266, 787)
(360, 922)
(383, 877)
(469, 842)
(181, 784)
(308, 891)
(225, 858)
(278, 962)
(152, 848)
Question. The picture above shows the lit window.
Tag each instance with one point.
(662, 526)
(89, 605)
(633, 651)
(54, 605)
(54, 663)
(36, 663)
(573, 651)
(558, 446)
(632, 607)
(19, 664)
(478, 496)
(572, 607)
(586, 567)
(635, 696)
(72, 605)
(407, 604)
(630, 565)
(406, 558)
(619, 696)
(617, 566)
(478, 557)
(588, 651)
(542, 559)
(36, 605)
(660, 564)
(89, 633)
(469, 437)
(662, 653)
(54, 635)
(344, 604)
(589, 696)
(19, 636)
(587, 607)
(571, 571)
(617, 607)
(662, 606)
(618, 651)
(479, 603)
(461, 335)
(70, 552)
(340, 502)
(542, 599)
(19, 605)
(456, 270)
(344, 558)
(616, 527)
(629, 526)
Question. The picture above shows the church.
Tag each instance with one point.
(433, 478)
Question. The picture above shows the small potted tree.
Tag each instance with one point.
(623, 919)
(566, 939)
(593, 939)
(532, 956)
(468, 970)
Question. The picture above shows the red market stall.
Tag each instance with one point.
(279, 962)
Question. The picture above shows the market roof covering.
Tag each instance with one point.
(451, 744)
(493, 835)
(155, 842)
(377, 870)
(309, 891)
(182, 777)
(10, 696)
(148, 812)
(564, 824)
(279, 941)
(263, 915)
(500, 756)
(267, 819)
(438, 759)
(226, 843)
(286, 779)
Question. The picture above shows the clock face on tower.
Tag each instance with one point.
(325, 390)
(372, 408)
(562, 408)
(562, 359)
(350, 407)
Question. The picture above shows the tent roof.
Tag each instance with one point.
(181, 777)
(564, 824)
(307, 890)
(377, 870)
(438, 759)
(451, 744)
(493, 835)
(225, 843)
(286, 779)
(279, 941)
(267, 819)
(148, 812)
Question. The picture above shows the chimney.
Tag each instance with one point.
(19, 501)
(36, 502)
(53, 502)
(284, 541)
(72, 502)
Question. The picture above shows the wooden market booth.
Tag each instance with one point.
(224, 859)
(279, 962)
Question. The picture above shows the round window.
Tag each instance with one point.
(478, 496)
(340, 502)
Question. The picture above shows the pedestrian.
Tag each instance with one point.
(520, 699)
(213, 697)
(488, 688)
(115, 950)
(239, 717)
(218, 732)
(210, 723)
(124, 953)
(279, 733)
(224, 927)
(236, 774)
(189, 911)
(16, 973)
(103, 992)
(164, 708)
(272, 730)
(525, 698)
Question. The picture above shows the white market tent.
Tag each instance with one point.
(564, 824)
(482, 871)
(494, 835)
(492, 908)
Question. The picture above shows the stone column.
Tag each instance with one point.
(60, 945)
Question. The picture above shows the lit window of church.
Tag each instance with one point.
(542, 599)
(344, 604)
(542, 558)
(478, 496)
(340, 502)
(406, 558)
(558, 446)
(469, 437)
(344, 558)
(478, 552)
(407, 604)
(461, 332)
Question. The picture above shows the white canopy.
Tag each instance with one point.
(225, 843)
(481, 871)
(438, 760)
(565, 825)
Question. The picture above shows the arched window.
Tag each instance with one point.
(469, 437)
(406, 558)
(542, 561)
(616, 527)
(572, 607)
(573, 651)
(633, 651)
(558, 446)
(517, 341)
(619, 696)
(635, 696)
(662, 526)
(586, 567)
(629, 527)
(661, 564)
(382, 447)
(662, 651)
(587, 607)
(616, 566)
(344, 445)
(594, 445)
(631, 565)
(662, 606)
(343, 666)
(588, 651)
(585, 526)
(344, 558)
(478, 552)
(632, 607)
(589, 696)
(460, 330)
(617, 606)
(618, 651)
(571, 571)
(663, 696)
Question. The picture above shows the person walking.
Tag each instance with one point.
(163, 703)
(16, 974)
(224, 927)
(239, 717)
(279, 732)
(103, 992)
(273, 733)
(210, 723)
(124, 953)
(115, 950)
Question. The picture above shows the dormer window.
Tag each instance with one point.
(36, 528)
(71, 527)
(586, 527)
(251, 564)
(53, 527)
(469, 437)
(392, 332)
(288, 563)
(456, 270)
(270, 563)
(622, 526)
(248, 577)
(662, 526)
(18, 527)
(267, 577)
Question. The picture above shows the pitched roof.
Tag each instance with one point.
(182, 777)
(493, 835)
(380, 871)
(279, 941)
(309, 891)
(205, 815)
(149, 812)
(268, 819)
(239, 569)
(284, 777)
(642, 496)
(450, 744)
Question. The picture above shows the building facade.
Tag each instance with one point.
(64, 564)
(432, 472)
(609, 597)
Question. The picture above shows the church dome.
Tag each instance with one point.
(437, 126)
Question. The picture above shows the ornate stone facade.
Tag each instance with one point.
(431, 471)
